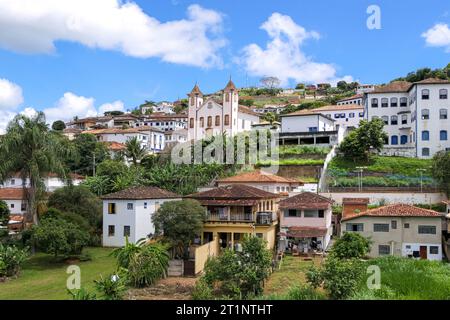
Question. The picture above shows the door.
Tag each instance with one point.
(423, 252)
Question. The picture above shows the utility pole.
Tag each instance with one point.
(421, 178)
(360, 177)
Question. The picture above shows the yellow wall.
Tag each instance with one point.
(202, 253)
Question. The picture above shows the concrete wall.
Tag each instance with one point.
(389, 197)
(202, 253)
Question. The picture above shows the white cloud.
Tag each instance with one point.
(5, 117)
(114, 106)
(34, 27)
(69, 106)
(438, 36)
(283, 56)
(10, 95)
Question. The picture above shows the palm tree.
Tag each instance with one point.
(30, 149)
(134, 150)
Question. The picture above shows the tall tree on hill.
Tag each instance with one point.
(30, 149)
(134, 150)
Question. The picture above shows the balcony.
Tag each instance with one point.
(262, 218)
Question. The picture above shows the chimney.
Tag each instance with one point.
(352, 206)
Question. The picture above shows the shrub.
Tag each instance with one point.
(350, 245)
(304, 292)
(11, 260)
(112, 287)
(82, 294)
(4, 213)
(202, 291)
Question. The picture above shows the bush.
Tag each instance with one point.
(304, 292)
(4, 213)
(11, 260)
(82, 294)
(202, 291)
(57, 236)
(350, 245)
(112, 287)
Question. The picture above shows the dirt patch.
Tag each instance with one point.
(172, 288)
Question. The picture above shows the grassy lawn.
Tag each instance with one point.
(41, 278)
(291, 273)
(293, 162)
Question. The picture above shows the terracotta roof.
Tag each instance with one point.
(306, 112)
(306, 232)
(230, 86)
(111, 131)
(141, 193)
(237, 191)
(12, 194)
(72, 130)
(115, 146)
(395, 86)
(259, 176)
(355, 200)
(148, 128)
(228, 202)
(247, 110)
(396, 210)
(356, 96)
(196, 90)
(338, 108)
(306, 200)
(433, 81)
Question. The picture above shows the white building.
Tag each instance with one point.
(306, 121)
(415, 116)
(164, 107)
(177, 136)
(15, 199)
(356, 99)
(128, 213)
(275, 109)
(209, 118)
(51, 182)
(163, 121)
(343, 115)
(364, 88)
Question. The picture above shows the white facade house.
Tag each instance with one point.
(306, 121)
(343, 115)
(365, 88)
(210, 117)
(15, 199)
(128, 213)
(275, 109)
(356, 99)
(415, 116)
(164, 122)
(164, 107)
(51, 182)
(177, 136)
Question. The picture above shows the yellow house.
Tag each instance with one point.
(236, 210)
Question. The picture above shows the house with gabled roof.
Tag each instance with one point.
(399, 230)
(262, 180)
(128, 213)
(236, 210)
(305, 223)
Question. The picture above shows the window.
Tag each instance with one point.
(403, 102)
(425, 114)
(321, 213)
(111, 231)
(23, 206)
(394, 102)
(380, 227)
(278, 189)
(313, 129)
(434, 250)
(145, 205)
(425, 94)
(351, 115)
(394, 224)
(227, 97)
(111, 208)
(126, 231)
(202, 122)
(425, 135)
(129, 206)
(310, 214)
(384, 102)
(292, 213)
(394, 140)
(443, 135)
(209, 122)
(356, 227)
(427, 230)
(425, 152)
(404, 119)
(406, 226)
(374, 103)
(12, 205)
(403, 139)
(386, 140)
(217, 122)
(443, 94)
(394, 120)
(13, 182)
(361, 114)
(384, 250)
(385, 119)
(227, 120)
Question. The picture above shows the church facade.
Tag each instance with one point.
(209, 117)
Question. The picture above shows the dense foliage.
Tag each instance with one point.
(351, 245)
(441, 170)
(88, 150)
(425, 73)
(11, 260)
(4, 213)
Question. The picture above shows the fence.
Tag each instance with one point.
(202, 253)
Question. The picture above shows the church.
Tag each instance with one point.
(210, 117)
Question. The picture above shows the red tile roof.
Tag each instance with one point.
(247, 110)
(395, 86)
(141, 193)
(12, 194)
(115, 146)
(306, 200)
(338, 108)
(396, 210)
(433, 81)
(237, 191)
(356, 96)
(258, 176)
(306, 232)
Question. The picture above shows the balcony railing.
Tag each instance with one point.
(262, 218)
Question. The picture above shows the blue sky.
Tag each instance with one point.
(93, 65)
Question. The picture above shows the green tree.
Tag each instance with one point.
(11, 260)
(351, 245)
(58, 125)
(441, 170)
(32, 150)
(270, 117)
(88, 149)
(300, 86)
(359, 142)
(4, 213)
(179, 222)
(134, 150)
(342, 85)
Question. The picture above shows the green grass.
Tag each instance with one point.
(390, 165)
(293, 162)
(302, 150)
(408, 279)
(42, 278)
